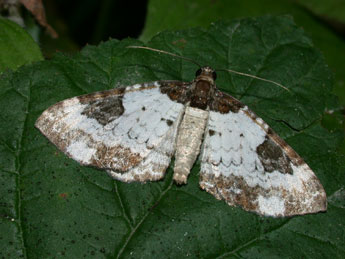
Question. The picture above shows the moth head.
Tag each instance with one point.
(206, 73)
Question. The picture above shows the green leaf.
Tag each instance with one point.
(332, 10)
(16, 46)
(180, 14)
(50, 206)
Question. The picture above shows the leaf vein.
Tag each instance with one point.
(131, 234)
(124, 211)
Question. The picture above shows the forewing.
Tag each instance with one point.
(245, 163)
(130, 132)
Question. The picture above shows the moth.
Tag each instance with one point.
(133, 132)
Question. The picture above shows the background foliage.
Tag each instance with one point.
(52, 207)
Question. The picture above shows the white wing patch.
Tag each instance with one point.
(237, 165)
(153, 167)
(132, 137)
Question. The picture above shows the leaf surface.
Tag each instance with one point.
(180, 14)
(332, 10)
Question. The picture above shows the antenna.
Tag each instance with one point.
(255, 77)
(164, 52)
(227, 70)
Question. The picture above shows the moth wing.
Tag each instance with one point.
(245, 163)
(130, 132)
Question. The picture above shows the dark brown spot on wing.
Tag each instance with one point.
(125, 158)
(104, 110)
(224, 103)
(273, 158)
(176, 90)
(293, 156)
(288, 151)
(246, 198)
(169, 122)
(103, 106)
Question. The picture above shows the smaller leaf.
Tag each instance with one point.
(16, 46)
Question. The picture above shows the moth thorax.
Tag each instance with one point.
(189, 139)
(202, 92)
